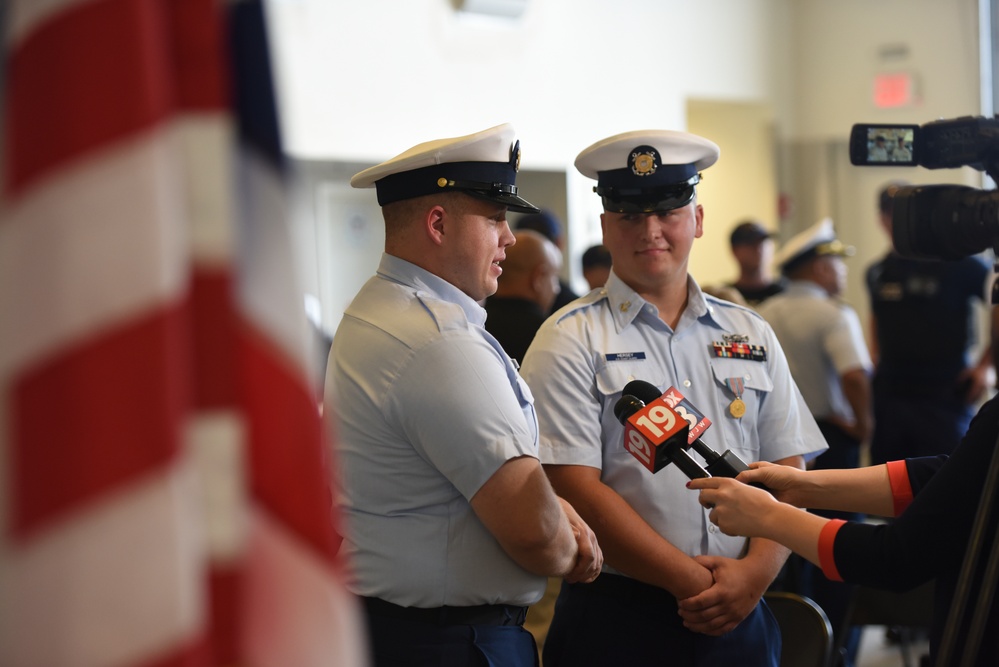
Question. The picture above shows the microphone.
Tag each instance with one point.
(718, 465)
(656, 435)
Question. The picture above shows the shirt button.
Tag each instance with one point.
(686, 383)
(747, 376)
(712, 528)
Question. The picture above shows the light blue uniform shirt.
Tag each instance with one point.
(429, 408)
(588, 351)
(823, 339)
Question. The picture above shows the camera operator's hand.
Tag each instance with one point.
(784, 482)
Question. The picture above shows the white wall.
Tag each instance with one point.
(360, 80)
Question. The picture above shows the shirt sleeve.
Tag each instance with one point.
(561, 374)
(846, 344)
(462, 411)
(785, 425)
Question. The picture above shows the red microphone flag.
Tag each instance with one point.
(650, 433)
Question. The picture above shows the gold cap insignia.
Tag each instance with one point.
(644, 161)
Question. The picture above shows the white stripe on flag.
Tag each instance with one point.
(218, 442)
(94, 244)
(116, 582)
(298, 612)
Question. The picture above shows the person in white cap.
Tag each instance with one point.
(451, 527)
(675, 590)
(829, 359)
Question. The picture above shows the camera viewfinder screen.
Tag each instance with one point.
(887, 145)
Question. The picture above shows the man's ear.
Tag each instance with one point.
(537, 276)
(699, 218)
(434, 220)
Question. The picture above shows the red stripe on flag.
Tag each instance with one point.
(214, 336)
(101, 71)
(93, 73)
(226, 584)
(96, 416)
(288, 476)
(198, 54)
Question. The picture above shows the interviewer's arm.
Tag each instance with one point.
(518, 506)
(867, 490)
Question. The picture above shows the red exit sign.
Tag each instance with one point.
(894, 90)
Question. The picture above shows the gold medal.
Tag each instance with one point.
(737, 408)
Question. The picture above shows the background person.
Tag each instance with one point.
(674, 591)
(525, 292)
(547, 223)
(753, 249)
(923, 322)
(452, 527)
(596, 263)
(829, 361)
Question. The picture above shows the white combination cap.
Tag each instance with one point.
(482, 165)
(647, 170)
(817, 241)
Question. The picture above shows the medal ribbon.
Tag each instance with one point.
(736, 386)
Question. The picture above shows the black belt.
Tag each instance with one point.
(483, 614)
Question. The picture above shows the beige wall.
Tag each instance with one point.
(743, 183)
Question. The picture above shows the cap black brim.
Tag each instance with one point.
(512, 202)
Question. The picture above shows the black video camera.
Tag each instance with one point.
(937, 221)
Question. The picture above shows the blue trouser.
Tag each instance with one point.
(908, 427)
(397, 642)
(620, 621)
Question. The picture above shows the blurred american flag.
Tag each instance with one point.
(164, 493)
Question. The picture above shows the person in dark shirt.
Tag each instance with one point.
(547, 224)
(526, 291)
(926, 384)
(753, 249)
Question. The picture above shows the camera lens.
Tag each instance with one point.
(944, 221)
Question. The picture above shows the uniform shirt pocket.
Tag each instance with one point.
(614, 375)
(752, 373)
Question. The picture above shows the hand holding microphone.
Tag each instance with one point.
(738, 509)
